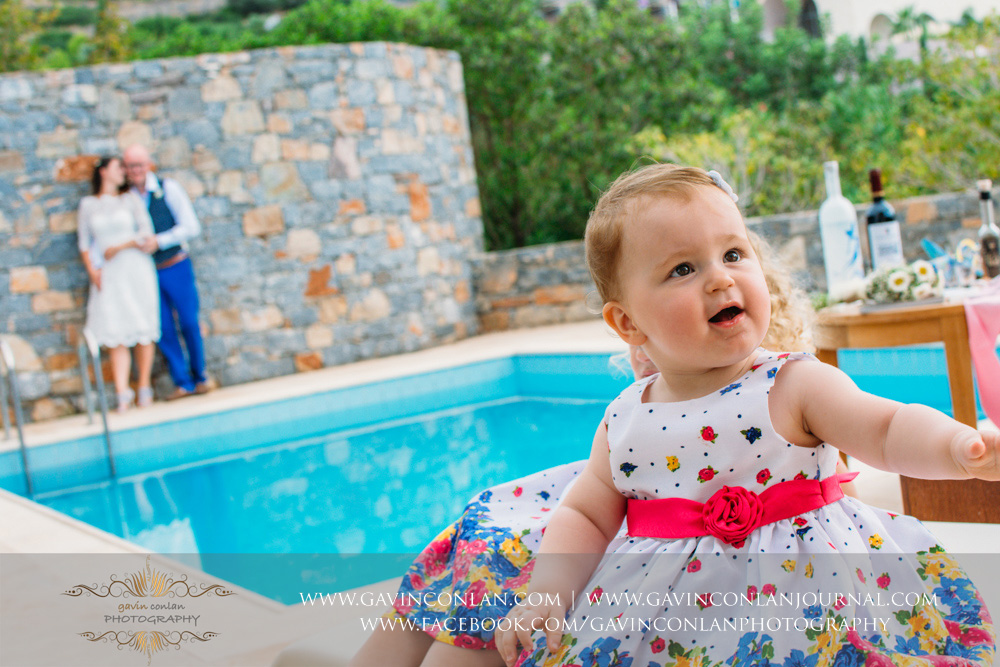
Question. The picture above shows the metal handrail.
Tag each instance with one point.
(88, 349)
(8, 368)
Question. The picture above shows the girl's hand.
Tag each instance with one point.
(95, 277)
(519, 623)
(978, 453)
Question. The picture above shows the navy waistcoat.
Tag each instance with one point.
(163, 219)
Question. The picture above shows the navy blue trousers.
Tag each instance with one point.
(179, 310)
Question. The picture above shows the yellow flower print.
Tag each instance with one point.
(875, 541)
(483, 574)
(556, 658)
(941, 564)
(809, 570)
(672, 463)
(789, 565)
(514, 551)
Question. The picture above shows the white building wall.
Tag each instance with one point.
(855, 17)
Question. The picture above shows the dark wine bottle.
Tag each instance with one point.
(885, 243)
(989, 234)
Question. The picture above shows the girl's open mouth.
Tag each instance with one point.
(726, 315)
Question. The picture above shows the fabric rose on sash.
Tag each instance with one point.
(732, 513)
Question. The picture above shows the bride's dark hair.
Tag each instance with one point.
(95, 179)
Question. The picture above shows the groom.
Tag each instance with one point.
(174, 222)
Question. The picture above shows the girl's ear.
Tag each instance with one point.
(618, 319)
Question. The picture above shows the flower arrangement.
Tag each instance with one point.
(911, 282)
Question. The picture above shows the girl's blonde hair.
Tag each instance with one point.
(790, 309)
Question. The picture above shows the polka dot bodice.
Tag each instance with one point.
(690, 449)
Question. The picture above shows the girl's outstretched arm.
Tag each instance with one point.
(814, 402)
(575, 541)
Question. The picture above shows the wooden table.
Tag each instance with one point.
(931, 500)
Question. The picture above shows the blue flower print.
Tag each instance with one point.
(848, 656)
(771, 373)
(799, 659)
(544, 495)
(749, 651)
(600, 652)
(968, 614)
(627, 468)
(956, 592)
(735, 385)
(815, 611)
(752, 434)
(909, 646)
(953, 648)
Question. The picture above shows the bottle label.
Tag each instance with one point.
(990, 251)
(886, 244)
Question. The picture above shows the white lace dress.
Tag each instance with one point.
(126, 310)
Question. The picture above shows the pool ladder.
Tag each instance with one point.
(89, 353)
(8, 379)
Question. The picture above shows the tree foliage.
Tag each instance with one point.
(559, 107)
(19, 25)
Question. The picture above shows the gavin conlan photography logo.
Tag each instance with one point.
(150, 610)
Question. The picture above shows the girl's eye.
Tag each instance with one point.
(681, 271)
(733, 256)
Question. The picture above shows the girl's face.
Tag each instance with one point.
(113, 173)
(692, 286)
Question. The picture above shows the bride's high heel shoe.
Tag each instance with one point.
(145, 398)
(125, 401)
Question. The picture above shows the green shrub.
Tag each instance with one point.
(75, 15)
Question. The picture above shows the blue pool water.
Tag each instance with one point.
(375, 469)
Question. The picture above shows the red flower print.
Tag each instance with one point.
(706, 474)
(861, 575)
(595, 595)
(518, 491)
(768, 589)
(704, 600)
(417, 582)
(764, 476)
(708, 434)
(751, 593)
(878, 660)
(694, 565)
(799, 521)
(883, 581)
(801, 475)
(475, 593)
(657, 645)
(468, 641)
(840, 603)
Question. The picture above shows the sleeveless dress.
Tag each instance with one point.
(126, 310)
(842, 585)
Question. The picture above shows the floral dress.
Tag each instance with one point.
(842, 585)
(470, 574)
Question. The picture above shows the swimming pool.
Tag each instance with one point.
(373, 469)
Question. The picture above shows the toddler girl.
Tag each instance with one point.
(741, 547)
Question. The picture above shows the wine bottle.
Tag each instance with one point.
(989, 234)
(838, 228)
(885, 243)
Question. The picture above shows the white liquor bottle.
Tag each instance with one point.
(838, 228)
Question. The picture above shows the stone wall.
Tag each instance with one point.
(549, 284)
(335, 185)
